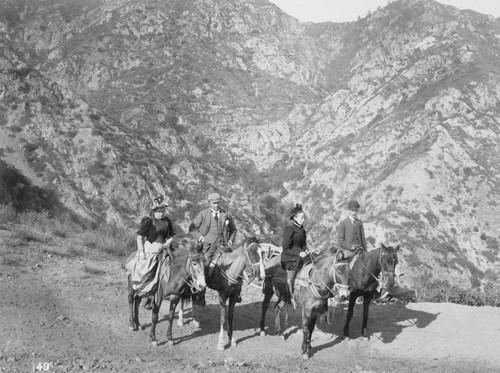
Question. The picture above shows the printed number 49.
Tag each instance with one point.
(43, 366)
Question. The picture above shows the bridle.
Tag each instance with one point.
(390, 272)
(190, 280)
(248, 263)
(337, 286)
(251, 265)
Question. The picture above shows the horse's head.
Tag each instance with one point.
(196, 267)
(254, 261)
(388, 259)
(342, 275)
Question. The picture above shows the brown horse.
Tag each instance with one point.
(187, 275)
(227, 279)
(324, 278)
(365, 280)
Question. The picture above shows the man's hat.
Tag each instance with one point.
(214, 197)
(353, 205)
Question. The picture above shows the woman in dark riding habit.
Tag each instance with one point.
(294, 247)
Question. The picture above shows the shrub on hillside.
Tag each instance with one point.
(428, 289)
(17, 190)
(109, 239)
(7, 214)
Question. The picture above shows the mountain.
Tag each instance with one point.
(109, 102)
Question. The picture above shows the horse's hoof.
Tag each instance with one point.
(221, 347)
(233, 343)
(305, 356)
(262, 334)
(196, 324)
(180, 324)
(154, 343)
(170, 342)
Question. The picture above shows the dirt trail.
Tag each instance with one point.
(64, 312)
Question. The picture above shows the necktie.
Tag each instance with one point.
(216, 216)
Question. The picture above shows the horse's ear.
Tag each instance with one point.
(397, 247)
(383, 246)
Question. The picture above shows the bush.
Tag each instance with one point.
(7, 214)
(109, 239)
(439, 291)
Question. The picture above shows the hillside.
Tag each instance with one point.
(109, 102)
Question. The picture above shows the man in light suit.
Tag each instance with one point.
(351, 233)
(214, 227)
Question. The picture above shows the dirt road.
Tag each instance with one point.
(64, 309)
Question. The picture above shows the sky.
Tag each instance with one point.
(349, 10)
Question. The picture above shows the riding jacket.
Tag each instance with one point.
(294, 241)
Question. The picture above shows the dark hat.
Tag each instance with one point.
(297, 209)
(159, 203)
(353, 205)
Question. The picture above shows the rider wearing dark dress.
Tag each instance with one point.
(294, 248)
(155, 233)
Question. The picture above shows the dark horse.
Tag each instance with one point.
(314, 285)
(227, 279)
(365, 281)
(187, 275)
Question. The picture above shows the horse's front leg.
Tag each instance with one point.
(230, 318)
(313, 316)
(367, 298)
(154, 322)
(222, 303)
(180, 319)
(268, 294)
(133, 317)
(278, 308)
(309, 317)
(194, 313)
(350, 310)
(171, 313)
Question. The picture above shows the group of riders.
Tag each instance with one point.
(215, 229)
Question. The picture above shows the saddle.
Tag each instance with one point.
(303, 276)
(222, 249)
(348, 257)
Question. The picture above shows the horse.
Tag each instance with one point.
(365, 280)
(187, 275)
(227, 279)
(324, 278)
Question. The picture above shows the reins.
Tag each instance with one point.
(238, 280)
(330, 291)
(189, 276)
(382, 272)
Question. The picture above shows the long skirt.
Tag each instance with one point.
(143, 268)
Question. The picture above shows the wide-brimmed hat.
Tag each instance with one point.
(159, 203)
(214, 197)
(353, 205)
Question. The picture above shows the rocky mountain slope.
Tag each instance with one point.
(111, 101)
